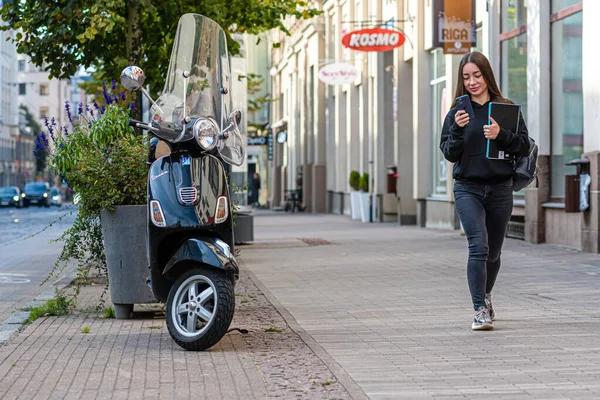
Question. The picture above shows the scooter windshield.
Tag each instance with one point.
(197, 84)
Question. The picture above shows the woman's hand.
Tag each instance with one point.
(461, 118)
(491, 131)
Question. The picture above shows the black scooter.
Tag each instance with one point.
(190, 243)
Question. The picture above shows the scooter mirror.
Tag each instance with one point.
(132, 78)
(237, 113)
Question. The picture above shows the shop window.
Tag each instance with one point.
(567, 94)
(22, 89)
(438, 113)
(513, 48)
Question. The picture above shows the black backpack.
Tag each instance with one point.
(526, 168)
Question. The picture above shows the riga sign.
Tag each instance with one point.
(338, 74)
(373, 39)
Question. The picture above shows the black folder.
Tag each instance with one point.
(507, 117)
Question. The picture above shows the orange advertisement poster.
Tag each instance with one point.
(454, 25)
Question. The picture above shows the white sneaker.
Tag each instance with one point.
(488, 304)
(482, 320)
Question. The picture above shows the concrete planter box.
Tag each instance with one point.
(243, 230)
(124, 232)
(355, 204)
(365, 207)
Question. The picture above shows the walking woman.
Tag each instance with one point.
(483, 187)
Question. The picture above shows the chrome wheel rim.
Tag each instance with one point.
(194, 306)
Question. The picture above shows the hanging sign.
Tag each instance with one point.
(373, 39)
(257, 140)
(454, 25)
(338, 74)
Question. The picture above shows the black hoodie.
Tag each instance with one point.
(466, 147)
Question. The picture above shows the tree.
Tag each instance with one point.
(62, 35)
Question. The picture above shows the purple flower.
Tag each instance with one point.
(65, 131)
(68, 110)
(44, 139)
(80, 109)
(123, 96)
(132, 105)
(116, 98)
(35, 153)
(38, 144)
(96, 105)
(47, 123)
(107, 97)
(52, 135)
(91, 110)
(103, 109)
(114, 85)
(53, 122)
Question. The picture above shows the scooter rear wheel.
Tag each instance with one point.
(200, 308)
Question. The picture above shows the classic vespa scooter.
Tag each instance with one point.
(190, 243)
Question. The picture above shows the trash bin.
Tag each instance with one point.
(573, 186)
(392, 176)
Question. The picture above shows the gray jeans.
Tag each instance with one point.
(484, 211)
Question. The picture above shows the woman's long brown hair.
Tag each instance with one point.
(484, 66)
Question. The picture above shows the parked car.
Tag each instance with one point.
(11, 196)
(37, 193)
(55, 197)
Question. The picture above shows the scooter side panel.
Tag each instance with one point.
(173, 176)
(203, 251)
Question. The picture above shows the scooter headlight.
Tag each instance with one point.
(206, 133)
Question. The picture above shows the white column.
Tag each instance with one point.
(421, 111)
(538, 74)
(590, 79)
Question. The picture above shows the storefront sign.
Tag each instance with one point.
(338, 74)
(270, 145)
(454, 25)
(373, 39)
(257, 141)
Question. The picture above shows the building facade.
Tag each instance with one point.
(391, 114)
(10, 141)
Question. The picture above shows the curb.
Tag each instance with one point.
(15, 323)
(340, 373)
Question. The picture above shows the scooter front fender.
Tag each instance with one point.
(202, 251)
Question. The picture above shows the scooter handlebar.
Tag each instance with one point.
(141, 125)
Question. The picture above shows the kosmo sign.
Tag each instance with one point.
(338, 74)
(373, 39)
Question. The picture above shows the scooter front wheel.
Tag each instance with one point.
(200, 308)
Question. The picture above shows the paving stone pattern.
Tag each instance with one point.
(375, 309)
(391, 306)
(131, 359)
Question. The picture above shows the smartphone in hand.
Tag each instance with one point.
(464, 103)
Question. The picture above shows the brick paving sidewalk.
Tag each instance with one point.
(391, 306)
(133, 359)
(363, 309)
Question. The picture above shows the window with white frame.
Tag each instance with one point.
(566, 88)
(513, 48)
(438, 114)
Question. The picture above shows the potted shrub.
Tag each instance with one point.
(103, 161)
(365, 200)
(354, 182)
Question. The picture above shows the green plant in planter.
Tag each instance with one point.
(364, 182)
(354, 180)
(104, 162)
